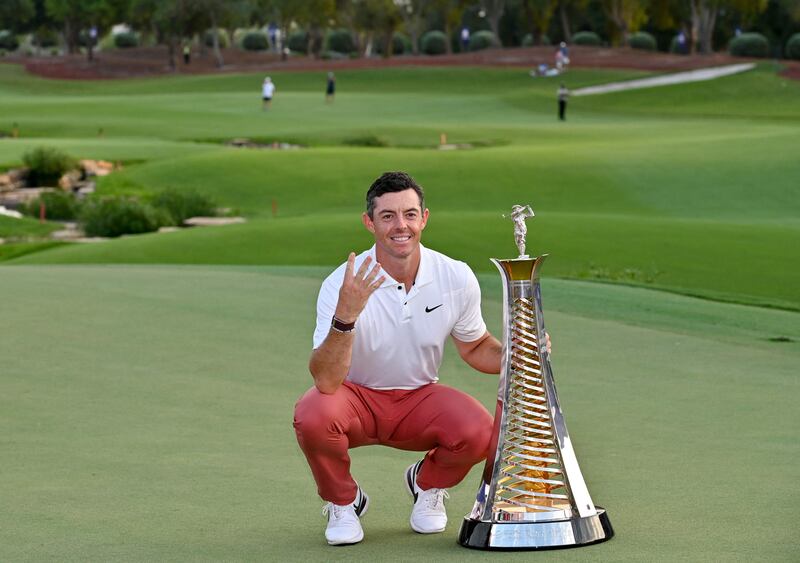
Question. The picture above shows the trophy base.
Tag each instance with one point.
(558, 534)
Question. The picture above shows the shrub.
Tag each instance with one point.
(116, 216)
(255, 41)
(222, 38)
(642, 40)
(339, 40)
(527, 41)
(8, 40)
(434, 43)
(126, 40)
(181, 205)
(400, 44)
(298, 42)
(46, 38)
(587, 38)
(59, 206)
(749, 45)
(482, 40)
(46, 165)
(793, 47)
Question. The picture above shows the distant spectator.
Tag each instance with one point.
(330, 88)
(464, 39)
(562, 57)
(559, 60)
(563, 96)
(267, 92)
(682, 43)
(187, 54)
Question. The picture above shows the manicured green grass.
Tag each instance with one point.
(686, 188)
(146, 415)
(25, 227)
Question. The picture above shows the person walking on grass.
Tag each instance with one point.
(383, 318)
(267, 92)
(330, 88)
(563, 96)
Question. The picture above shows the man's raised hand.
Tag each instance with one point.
(356, 288)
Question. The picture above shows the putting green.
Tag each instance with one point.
(146, 415)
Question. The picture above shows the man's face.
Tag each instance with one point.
(397, 223)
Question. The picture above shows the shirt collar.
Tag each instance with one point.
(424, 274)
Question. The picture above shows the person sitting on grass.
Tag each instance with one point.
(383, 318)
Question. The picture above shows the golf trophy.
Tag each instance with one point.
(532, 494)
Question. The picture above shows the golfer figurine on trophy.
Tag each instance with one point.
(532, 494)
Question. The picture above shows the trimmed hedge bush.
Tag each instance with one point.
(400, 44)
(222, 38)
(126, 40)
(8, 40)
(298, 42)
(255, 41)
(58, 205)
(793, 47)
(482, 40)
(46, 165)
(339, 40)
(749, 45)
(642, 40)
(181, 205)
(527, 41)
(587, 38)
(434, 43)
(116, 216)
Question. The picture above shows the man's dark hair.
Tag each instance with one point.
(393, 182)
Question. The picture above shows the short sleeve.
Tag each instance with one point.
(326, 306)
(470, 326)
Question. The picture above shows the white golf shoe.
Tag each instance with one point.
(428, 516)
(344, 525)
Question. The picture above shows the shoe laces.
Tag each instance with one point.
(337, 512)
(434, 498)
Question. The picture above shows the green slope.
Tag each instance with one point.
(646, 187)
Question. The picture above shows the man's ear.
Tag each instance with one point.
(365, 218)
(424, 218)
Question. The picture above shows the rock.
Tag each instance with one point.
(70, 180)
(10, 213)
(213, 221)
(84, 188)
(97, 167)
(14, 179)
(20, 197)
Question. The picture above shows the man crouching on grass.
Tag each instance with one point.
(382, 321)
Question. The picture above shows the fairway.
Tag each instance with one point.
(148, 382)
(656, 187)
(150, 419)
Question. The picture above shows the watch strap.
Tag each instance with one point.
(341, 326)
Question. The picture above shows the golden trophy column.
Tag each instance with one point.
(532, 494)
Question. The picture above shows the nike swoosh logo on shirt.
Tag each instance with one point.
(429, 309)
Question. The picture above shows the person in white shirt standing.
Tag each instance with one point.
(383, 318)
(267, 91)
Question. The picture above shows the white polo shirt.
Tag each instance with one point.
(399, 336)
